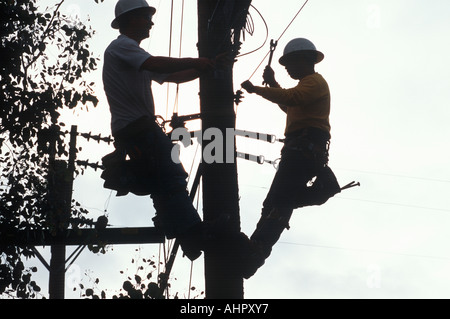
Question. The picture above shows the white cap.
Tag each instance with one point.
(298, 46)
(124, 6)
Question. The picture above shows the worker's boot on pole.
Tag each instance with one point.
(204, 236)
(259, 246)
(191, 242)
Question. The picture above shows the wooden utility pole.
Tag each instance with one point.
(58, 235)
(216, 19)
(60, 189)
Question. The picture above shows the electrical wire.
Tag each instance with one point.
(369, 201)
(250, 29)
(190, 280)
(192, 262)
(170, 54)
(364, 250)
(395, 204)
(398, 175)
(288, 26)
(175, 107)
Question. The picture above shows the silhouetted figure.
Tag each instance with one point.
(304, 155)
(128, 73)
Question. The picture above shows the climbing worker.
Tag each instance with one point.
(128, 72)
(304, 155)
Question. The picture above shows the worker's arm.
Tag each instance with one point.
(269, 79)
(298, 96)
(250, 88)
(182, 70)
(183, 76)
(161, 64)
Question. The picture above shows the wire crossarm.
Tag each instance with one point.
(86, 236)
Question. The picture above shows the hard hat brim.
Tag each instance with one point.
(296, 54)
(115, 22)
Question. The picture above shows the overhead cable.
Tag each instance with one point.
(290, 23)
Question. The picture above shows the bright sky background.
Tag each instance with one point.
(386, 68)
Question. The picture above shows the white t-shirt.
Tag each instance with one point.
(127, 87)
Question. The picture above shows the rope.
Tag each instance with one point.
(190, 280)
(175, 107)
(290, 23)
(170, 54)
(192, 263)
(295, 17)
(181, 27)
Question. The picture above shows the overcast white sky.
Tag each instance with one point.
(385, 62)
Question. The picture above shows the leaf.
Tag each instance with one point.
(153, 290)
(34, 84)
(127, 286)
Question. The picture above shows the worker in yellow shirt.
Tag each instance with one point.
(304, 155)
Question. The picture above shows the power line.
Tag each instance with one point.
(293, 19)
(290, 23)
(370, 201)
(395, 204)
(365, 250)
(397, 175)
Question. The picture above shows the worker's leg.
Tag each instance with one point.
(178, 214)
(175, 211)
(293, 173)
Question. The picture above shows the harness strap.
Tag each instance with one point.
(313, 142)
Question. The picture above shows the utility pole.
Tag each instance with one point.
(58, 235)
(60, 190)
(216, 19)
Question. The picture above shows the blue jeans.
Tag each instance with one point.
(151, 148)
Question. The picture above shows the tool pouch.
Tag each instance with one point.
(136, 174)
(314, 145)
(323, 188)
(126, 176)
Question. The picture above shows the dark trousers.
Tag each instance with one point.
(294, 172)
(151, 149)
(302, 157)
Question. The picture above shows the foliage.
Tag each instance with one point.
(44, 57)
(141, 284)
(136, 286)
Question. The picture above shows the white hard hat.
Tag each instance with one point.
(124, 6)
(298, 46)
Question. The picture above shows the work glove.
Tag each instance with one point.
(248, 86)
(269, 77)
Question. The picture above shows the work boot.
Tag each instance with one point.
(191, 241)
(204, 236)
(249, 255)
(257, 249)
